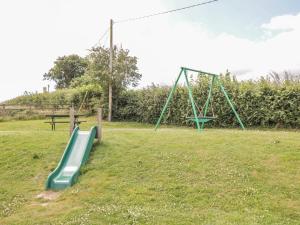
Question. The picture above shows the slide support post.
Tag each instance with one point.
(99, 127)
(72, 120)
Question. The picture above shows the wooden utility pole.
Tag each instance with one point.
(110, 71)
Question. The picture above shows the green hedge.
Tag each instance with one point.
(62, 98)
(260, 103)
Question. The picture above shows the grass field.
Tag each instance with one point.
(138, 176)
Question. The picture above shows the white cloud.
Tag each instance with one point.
(164, 46)
(285, 22)
(34, 33)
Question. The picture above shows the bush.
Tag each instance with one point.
(62, 98)
(258, 103)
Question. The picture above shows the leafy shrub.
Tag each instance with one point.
(258, 103)
(88, 95)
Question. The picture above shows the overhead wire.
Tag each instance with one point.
(164, 12)
(148, 16)
(101, 38)
(94, 46)
(144, 17)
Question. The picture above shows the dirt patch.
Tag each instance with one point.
(44, 204)
(272, 162)
(255, 174)
(48, 195)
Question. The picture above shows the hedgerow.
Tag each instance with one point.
(89, 95)
(261, 103)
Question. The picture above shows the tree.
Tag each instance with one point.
(285, 76)
(65, 69)
(125, 70)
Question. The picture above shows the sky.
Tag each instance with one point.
(249, 38)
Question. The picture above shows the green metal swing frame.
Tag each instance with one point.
(214, 80)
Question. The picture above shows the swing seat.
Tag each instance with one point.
(202, 119)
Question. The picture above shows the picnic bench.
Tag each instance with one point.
(53, 121)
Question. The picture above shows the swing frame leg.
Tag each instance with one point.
(192, 100)
(208, 99)
(231, 105)
(168, 101)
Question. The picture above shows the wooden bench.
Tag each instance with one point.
(53, 122)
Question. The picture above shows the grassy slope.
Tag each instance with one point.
(137, 176)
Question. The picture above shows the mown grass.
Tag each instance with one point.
(138, 176)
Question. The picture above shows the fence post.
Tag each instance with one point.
(4, 111)
(72, 120)
(99, 127)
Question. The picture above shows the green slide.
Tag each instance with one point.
(75, 155)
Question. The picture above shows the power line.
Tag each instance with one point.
(165, 12)
(105, 41)
(151, 15)
(95, 45)
(102, 36)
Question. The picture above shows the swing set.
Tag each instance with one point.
(200, 117)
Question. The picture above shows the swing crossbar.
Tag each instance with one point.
(199, 71)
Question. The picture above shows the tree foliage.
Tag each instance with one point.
(284, 77)
(65, 69)
(125, 70)
(87, 95)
